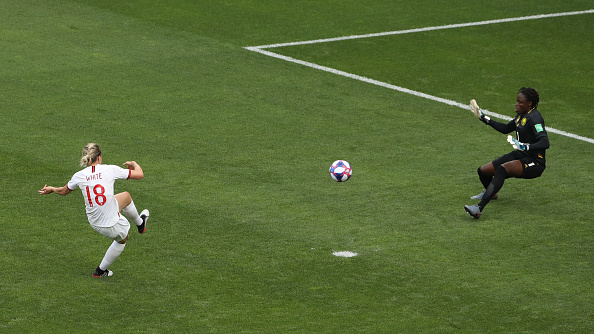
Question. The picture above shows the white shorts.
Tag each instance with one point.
(117, 232)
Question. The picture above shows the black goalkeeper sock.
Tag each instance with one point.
(494, 187)
(485, 179)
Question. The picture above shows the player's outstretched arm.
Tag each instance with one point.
(136, 171)
(501, 127)
(59, 190)
(478, 112)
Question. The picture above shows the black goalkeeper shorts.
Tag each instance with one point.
(532, 169)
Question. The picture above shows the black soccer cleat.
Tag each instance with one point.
(473, 210)
(102, 273)
(144, 215)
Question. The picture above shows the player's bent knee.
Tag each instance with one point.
(487, 169)
(124, 199)
(124, 241)
(124, 194)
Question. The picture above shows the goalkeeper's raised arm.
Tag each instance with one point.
(501, 127)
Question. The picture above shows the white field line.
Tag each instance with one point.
(260, 49)
(408, 31)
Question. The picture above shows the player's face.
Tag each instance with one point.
(522, 104)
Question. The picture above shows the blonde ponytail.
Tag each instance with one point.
(90, 154)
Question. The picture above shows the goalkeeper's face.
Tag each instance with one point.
(522, 104)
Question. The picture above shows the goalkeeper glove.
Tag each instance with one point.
(478, 112)
(516, 144)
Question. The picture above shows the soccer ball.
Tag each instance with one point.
(341, 171)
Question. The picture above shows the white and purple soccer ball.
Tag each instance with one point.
(341, 170)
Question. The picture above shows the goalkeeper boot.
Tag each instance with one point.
(480, 196)
(102, 273)
(145, 216)
(473, 210)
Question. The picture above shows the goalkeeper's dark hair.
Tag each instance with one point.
(531, 95)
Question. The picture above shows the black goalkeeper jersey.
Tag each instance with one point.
(530, 129)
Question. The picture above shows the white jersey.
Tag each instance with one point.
(96, 183)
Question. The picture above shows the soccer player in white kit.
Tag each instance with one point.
(102, 206)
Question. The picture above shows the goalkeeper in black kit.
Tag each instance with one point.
(527, 161)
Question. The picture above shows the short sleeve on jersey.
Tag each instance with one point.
(73, 182)
(121, 173)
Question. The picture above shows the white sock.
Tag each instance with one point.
(132, 214)
(112, 254)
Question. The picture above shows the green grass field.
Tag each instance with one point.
(236, 148)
